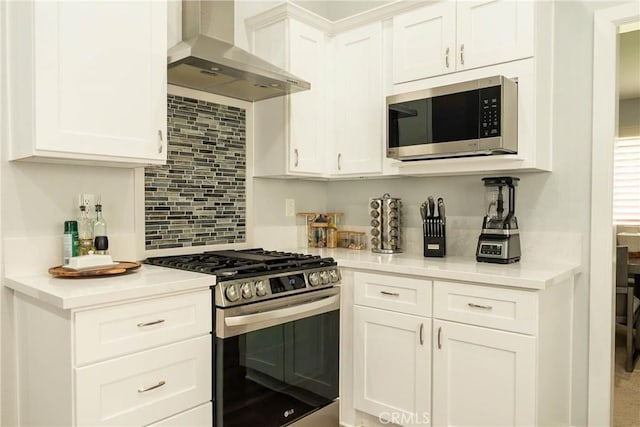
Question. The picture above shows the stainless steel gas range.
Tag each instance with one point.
(276, 323)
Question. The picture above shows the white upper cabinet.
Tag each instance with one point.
(88, 81)
(454, 36)
(292, 135)
(424, 42)
(494, 31)
(308, 119)
(358, 102)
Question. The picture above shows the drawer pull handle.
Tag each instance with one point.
(484, 307)
(153, 387)
(155, 322)
(421, 333)
(439, 337)
(393, 294)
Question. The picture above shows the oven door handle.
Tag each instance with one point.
(284, 314)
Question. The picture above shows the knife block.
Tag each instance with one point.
(434, 246)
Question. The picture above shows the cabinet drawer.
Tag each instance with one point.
(506, 309)
(114, 331)
(145, 387)
(202, 416)
(396, 293)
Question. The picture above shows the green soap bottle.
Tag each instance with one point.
(70, 240)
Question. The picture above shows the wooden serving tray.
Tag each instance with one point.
(112, 270)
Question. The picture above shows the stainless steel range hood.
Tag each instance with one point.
(207, 59)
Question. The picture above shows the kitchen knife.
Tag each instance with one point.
(432, 212)
(423, 214)
(441, 211)
(432, 206)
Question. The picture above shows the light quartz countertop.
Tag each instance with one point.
(524, 274)
(147, 281)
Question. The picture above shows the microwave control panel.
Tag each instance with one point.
(490, 112)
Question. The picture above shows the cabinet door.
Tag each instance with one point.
(494, 31)
(358, 104)
(307, 120)
(100, 79)
(482, 377)
(424, 42)
(392, 365)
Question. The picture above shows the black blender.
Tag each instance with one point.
(499, 241)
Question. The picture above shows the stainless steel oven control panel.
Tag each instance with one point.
(243, 291)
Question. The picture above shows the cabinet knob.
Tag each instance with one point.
(160, 142)
(462, 54)
(439, 337)
(446, 58)
(421, 333)
(295, 153)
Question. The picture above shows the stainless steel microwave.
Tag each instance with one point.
(478, 117)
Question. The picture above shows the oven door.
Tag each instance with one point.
(277, 360)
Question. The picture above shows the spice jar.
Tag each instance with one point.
(319, 234)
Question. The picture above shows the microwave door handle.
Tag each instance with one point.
(284, 315)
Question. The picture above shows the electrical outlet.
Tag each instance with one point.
(289, 207)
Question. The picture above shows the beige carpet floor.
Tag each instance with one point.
(626, 400)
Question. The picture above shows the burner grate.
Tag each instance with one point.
(242, 263)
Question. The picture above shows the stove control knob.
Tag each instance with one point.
(232, 293)
(314, 278)
(324, 277)
(247, 292)
(261, 288)
(334, 275)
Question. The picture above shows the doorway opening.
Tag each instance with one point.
(626, 220)
(607, 23)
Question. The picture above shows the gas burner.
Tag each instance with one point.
(251, 275)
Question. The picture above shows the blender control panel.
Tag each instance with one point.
(492, 249)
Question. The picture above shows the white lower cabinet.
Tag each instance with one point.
(482, 377)
(496, 356)
(131, 363)
(392, 347)
(392, 372)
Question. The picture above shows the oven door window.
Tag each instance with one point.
(275, 375)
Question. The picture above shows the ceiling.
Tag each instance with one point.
(629, 65)
(334, 10)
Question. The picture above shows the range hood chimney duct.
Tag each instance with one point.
(207, 60)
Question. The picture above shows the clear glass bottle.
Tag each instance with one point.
(85, 232)
(101, 242)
